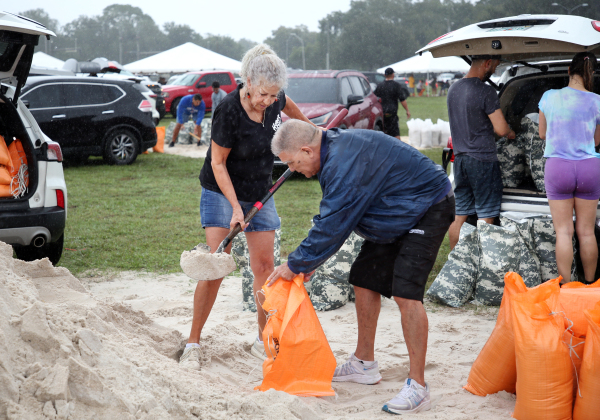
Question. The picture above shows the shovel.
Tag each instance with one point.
(200, 264)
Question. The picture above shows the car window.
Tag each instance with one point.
(112, 93)
(356, 86)
(44, 96)
(379, 78)
(78, 94)
(186, 80)
(312, 90)
(345, 90)
(366, 86)
(222, 78)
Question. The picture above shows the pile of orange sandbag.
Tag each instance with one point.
(546, 348)
(14, 177)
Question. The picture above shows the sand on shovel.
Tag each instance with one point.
(200, 264)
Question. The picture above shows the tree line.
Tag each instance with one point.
(371, 34)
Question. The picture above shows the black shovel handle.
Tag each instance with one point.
(255, 209)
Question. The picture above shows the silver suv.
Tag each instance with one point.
(33, 205)
(536, 51)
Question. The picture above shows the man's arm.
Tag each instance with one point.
(405, 106)
(501, 127)
(201, 112)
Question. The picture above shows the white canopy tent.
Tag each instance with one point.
(427, 64)
(45, 61)
(184, 58)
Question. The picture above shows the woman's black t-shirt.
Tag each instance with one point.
(250, 161)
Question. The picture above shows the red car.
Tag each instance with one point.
(196, 82)
(322, 94)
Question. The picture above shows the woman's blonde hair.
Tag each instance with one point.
(262, 66)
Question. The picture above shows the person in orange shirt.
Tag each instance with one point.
(411, 84)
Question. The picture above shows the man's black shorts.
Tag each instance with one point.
(402, 268)
(390, 125)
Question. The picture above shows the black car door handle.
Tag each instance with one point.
(110, 111)
(60, 116)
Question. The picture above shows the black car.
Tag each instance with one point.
(92, 116)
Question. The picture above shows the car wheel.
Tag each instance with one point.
(342, 127)
(378, 126)
(121, 147)
(174, 106)
(52, 251)
(156, 121)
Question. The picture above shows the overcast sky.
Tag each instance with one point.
(237, 18)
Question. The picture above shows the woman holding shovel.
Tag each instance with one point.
(237, 173)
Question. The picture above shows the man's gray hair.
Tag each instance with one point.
(261, 65)
(292, 136)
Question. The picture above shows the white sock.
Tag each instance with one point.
(259, 340)
(366, 363)
(192, 345)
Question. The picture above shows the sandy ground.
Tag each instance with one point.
(455, 338)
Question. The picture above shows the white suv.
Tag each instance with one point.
(536, 51)
(32, 218)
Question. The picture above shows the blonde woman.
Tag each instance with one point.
(236, 174)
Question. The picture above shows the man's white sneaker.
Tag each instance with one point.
(190, 359)
(258, 350)
(355, 370)
(412, 398)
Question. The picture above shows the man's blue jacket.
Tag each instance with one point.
(372, 184)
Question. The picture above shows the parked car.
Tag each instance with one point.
(92, 116)
(541, 44)
(199, 82)
(322, 94)
(33, 222)
(374, 78)
(404, 83)
(444, 77)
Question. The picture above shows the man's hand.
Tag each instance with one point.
(511, 135)
(282, 271)
(408, 114)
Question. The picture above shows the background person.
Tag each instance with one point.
(190, 106)
(402, 204)
(236, 174)
(411, 84)
(474, 113)
(217, 96)
(391, 93)
(570, 124)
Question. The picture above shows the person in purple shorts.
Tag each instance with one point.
(570, 124)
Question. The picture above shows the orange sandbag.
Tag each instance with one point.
(575, 297)
(495, 368)
(5, 191)
(587, 406)
(160, 140)
(544, 367)
(5, 177)
(4, 155)
(299, 359)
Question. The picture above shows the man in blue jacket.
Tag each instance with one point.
(402, 204)
(190, 106)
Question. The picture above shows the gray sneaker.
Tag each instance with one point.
(354, 370)
(412, 398)
(258, 350)
(190, 359)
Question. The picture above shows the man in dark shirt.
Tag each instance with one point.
(474, 113)
(391, 93)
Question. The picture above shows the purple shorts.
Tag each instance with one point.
(565, 179)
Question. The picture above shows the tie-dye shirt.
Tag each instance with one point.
(572, 116)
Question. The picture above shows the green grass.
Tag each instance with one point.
(142, 216)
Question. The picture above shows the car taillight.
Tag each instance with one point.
(54, 152)
(153, 96)
(60, 199)
(596, 25)
(145, 106)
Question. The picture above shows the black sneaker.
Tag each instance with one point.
(171, 144)
(199, 143)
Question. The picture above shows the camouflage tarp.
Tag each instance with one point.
(529, 264)
(184, 134)
(206, 131)
(500, 253)
(239, 250)
(511, 157)
(544, 241)
(329, 284)
(454, 284)
(535, 152)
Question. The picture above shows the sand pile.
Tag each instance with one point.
(66, 355)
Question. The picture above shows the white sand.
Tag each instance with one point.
(111, 354)
(187, 150)
(200, 264)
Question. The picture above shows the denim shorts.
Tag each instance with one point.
(477, 187)
(215, 211)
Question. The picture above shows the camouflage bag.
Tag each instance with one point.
(544, 241)
(535, 152)
(500, 253)
(511, 157)
(454, 285)
(329, 284)
(206, 131)
(184, 133)
(239, 250)
(529, 264)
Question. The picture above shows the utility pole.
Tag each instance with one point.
(303, 60)
(569, 11)
(327, 55)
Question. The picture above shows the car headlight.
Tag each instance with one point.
(322, 119)
(165, 94)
